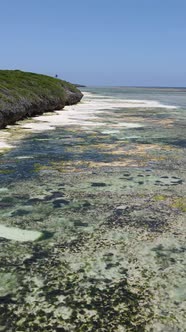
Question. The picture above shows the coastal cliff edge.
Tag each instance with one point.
(24, 94)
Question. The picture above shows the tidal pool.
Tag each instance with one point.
(109, 200)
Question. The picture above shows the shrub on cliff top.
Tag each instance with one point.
(15, 85)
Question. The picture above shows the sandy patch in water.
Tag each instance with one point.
(17, 234)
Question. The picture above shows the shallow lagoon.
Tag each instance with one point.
(105, 186)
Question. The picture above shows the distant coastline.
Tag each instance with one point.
(80, 86)
(133, 86)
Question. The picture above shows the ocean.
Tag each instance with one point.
(92, 214)
(169, 96)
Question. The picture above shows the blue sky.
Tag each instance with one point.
(97, 42)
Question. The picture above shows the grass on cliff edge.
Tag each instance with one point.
(16, 85)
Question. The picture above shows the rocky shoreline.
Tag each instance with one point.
(25, 95)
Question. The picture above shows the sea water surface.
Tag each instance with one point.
(92, 215)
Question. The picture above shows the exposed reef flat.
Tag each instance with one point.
(25, 94)
(110, 201)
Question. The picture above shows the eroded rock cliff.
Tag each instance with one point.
(24, 94)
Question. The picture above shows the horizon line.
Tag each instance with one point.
(133, 86)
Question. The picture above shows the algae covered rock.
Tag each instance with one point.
(8, 284)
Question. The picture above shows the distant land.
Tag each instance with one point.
(80, 86)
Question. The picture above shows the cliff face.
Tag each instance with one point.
(25, 94)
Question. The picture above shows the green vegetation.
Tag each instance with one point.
(180, 203)
(25, 94)
(160, 197)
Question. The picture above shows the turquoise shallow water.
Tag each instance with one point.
(103, 203)
(170, 96)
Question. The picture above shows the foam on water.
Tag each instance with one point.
(86, 114)
(126, 103)
(3, 140)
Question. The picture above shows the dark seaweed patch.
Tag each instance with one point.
(55, 194)
(4, 205)
(33, 201)
(79, 223)
(60, 203)
(20, 213)
(98, 184)
(45, 235)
